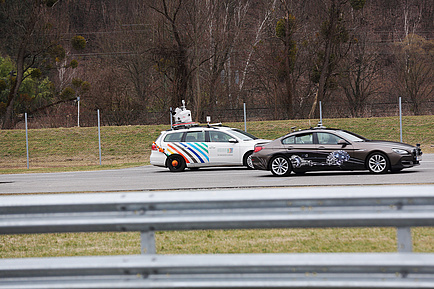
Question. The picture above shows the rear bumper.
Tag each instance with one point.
(157, 159)
(259, 163)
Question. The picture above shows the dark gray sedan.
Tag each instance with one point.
(322, 149)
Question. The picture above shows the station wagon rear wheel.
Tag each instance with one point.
(378, 163)
(176, 163)
(280, 166)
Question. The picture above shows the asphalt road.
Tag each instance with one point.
(154, 178)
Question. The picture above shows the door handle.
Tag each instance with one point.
(321, 147)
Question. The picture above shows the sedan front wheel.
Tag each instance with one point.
(378, 163)
(280, 166)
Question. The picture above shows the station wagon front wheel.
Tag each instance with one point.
(280, 166)
(377, 163)
(247, 160)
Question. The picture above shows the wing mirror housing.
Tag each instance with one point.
(232, 140)
(343, 143)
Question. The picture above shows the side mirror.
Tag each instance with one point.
(232, 140)
(343, 143)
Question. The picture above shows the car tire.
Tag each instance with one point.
(176, 163)
(247, 160)
(280, 166)
(377, 163)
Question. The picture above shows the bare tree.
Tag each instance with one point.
(225, 26)
(414, 70)
(172, 50)
(359, 75)
(360, 70)
(285, 29)
(333, 39)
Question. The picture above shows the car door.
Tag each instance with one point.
(195, 148)
(333, 151)
(223, 148)
(301, 150)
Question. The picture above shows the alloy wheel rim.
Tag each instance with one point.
(280, 166)
(377, 163)
(250, 162)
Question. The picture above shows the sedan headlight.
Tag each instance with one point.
(400, 151)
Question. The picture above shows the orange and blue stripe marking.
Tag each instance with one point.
(192, 152)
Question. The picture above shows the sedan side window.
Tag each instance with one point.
(289, 140)
(328, 138)
(218, 136)
(304, 139)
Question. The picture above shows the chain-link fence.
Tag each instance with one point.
(69, 118)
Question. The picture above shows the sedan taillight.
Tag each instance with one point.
(258, 148)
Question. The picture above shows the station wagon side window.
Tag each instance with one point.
(195, 136)
(218, 136)
(173, 137)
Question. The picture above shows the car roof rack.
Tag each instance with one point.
(184, 125)
(219, 124)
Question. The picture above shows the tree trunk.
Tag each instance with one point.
(288, 64)
(8, 120)
(331, 30)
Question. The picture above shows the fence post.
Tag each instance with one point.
(99, 137)
(78, 111)
(320, 112)
(245, 121)
(404, 239)
(147, 242)
(400, 119)
(27, 141)
(171, 117)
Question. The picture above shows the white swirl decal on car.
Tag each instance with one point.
(337, 158)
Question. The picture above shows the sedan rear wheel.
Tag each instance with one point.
(280, 166)
(378, 163)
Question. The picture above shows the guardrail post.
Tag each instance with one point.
(147, 242)
(404, 239)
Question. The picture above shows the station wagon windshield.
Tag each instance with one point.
(245, 136)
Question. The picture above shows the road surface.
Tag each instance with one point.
(154, 178)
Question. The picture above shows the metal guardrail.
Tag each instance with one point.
(352, 206)
(347, 270)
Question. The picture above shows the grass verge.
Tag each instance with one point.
(215, 242)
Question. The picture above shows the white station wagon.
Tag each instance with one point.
(203, 146)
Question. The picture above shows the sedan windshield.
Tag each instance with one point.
(349, 136)
(245, 136)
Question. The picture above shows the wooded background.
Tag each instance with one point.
(135, 59)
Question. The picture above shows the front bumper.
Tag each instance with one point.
(410, 160)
